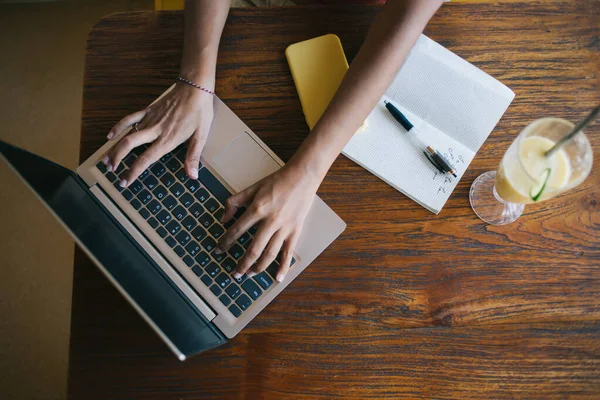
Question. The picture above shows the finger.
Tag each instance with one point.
(125, 123)
(245, 222)
(128, 143)
(233, 203)
(192, 159)
(255, 251)
(143, 162)
(287, 252)
(269, 254)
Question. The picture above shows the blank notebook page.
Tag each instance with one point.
(454, 107)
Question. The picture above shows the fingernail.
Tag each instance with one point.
(237, 275)
(251, 274)
(105, 160)
(123, 183)
(194, 173)
(218, 251)
(110, 135)
(109, 167)
(280, 277)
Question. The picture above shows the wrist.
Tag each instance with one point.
(312, 164)
(200, 69)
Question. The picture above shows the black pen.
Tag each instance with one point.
(434, 157)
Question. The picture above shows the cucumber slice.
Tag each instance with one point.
(538, 189)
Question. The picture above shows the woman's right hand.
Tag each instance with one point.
(184, 113)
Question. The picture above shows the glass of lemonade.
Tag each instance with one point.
(526, 176)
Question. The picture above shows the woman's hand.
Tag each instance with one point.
(184, 113)
(278, 206)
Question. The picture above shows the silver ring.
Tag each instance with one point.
(135, 126)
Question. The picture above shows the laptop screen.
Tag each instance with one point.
(129, 267)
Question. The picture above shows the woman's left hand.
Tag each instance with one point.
(278, 206)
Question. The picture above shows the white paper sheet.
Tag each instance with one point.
(454, 107)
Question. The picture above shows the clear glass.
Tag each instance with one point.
(525, 176)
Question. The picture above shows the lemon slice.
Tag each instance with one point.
(537, 190)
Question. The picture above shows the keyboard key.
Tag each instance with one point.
(144, 213)
(158, 169)
(151, 182)
(163, 217)
(173, 165)
(243, 302)
(179, 251)
(272, 269)
(162, 232)
(244, 238)
(169, 202)
(173, 227)
(225, 300)
(240, 211)
(211, 205)
(120, 169)
(167, 179)
(127, 194)
(193, 248)
(223, 280)
(233, 290)
(181, 153)
(202, 195)
(181, 175)
(179, 213)
(136, 186)
(199, 233)
(139, 150)
(219, 214)
(130, 159)
(229, 223)
(189, 261)
(153, 222)
(252, 289)
(213, 185)
(205, 278)
(170, 241)
(118, 186)
(166, 157)
(160, 192)
(144, 174)
(236, 252)
(247, 244)
(212, 269)
(206, 220)
(263, 280)
(144, 196)
(215, 289)
(209, 244)
(154, 206)
(189, 223)
(101, 167)
(177, 189)
(235, 310)
(203, 259)
(229, 265)
(241, 278)
(197, 210)
(218, 257)
(111, 177)
(186, 199)
(136, 204)
(183, 238)
(192, 185)
(292, 262)
(216, 231)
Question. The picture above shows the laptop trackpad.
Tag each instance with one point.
(244, 163)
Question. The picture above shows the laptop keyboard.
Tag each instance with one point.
(186, 213)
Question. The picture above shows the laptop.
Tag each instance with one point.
(155, 240)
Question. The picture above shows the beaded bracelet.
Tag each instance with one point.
(180, 79)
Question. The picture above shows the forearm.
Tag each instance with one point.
(391, 37)
(204, 21)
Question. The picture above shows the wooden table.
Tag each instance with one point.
(405, 303)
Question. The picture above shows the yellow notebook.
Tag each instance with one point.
(318, 66)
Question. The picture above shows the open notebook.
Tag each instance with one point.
(453, 105)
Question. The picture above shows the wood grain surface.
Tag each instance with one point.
(405, 303)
